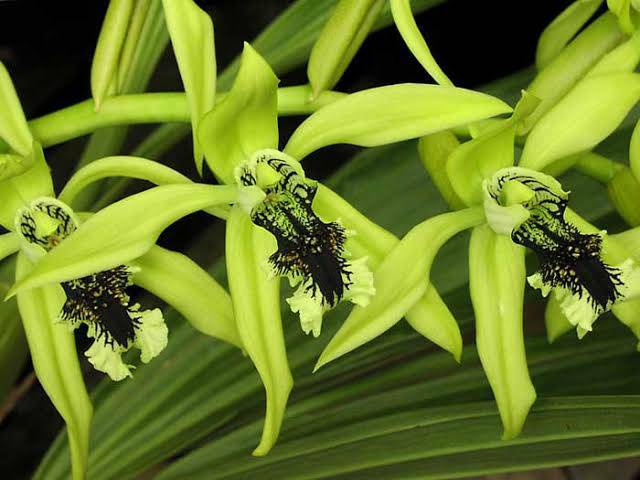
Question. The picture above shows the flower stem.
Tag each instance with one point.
(81, 119)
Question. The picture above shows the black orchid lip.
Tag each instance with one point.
(100, 300)
(307, 246)
(567, 257)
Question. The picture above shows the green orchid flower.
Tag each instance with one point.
(572, 263)
(74, 268)
(283, 223)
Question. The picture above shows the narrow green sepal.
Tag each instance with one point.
(123, 231)
(256, 307)
(13, 124)
(179, 281)
(406, 25)
(400, 281)
(582, 119)
(390, 114)
(191, 31)
(245, 121)
(55, 361)
(496, 282)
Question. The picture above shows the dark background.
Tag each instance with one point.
(47, 47)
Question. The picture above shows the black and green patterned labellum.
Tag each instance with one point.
(568, 258)
(100, 300)
(307, 246)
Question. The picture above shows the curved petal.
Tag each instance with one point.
(245, 121)
(390, 114)
(399, 281)
(13, 124)
(429, 316)
(406, 25)
(180, 282)
(496, 282)
(191, 31)
(256, 306)
(55, 361)
(123, 231)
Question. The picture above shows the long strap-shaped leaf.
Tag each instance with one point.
(55, 361)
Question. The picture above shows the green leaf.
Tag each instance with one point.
(399, 282)
(571, 64)
(245, 121)
(191, 32)
(562, 29)
(496, 282)
(55, 361)
(123, 232)
(390, 114)
(179, 281)
(107, 54)
(13, 124)
(256, 305)
(582, 119)
(406, 25)
(339, 41)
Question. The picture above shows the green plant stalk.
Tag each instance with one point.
(81, 119)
